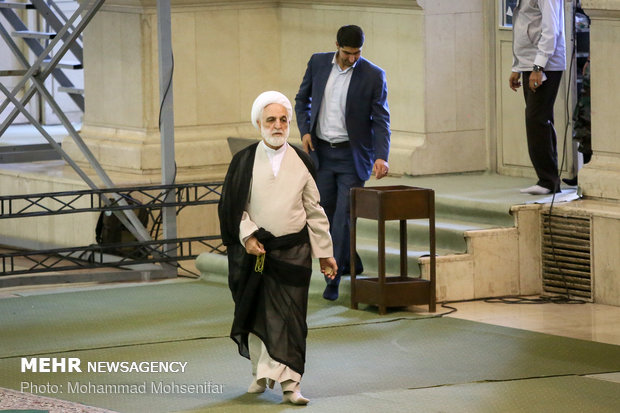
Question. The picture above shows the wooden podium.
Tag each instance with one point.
(393, 203)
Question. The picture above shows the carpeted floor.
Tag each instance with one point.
(548, 395)
(357, 360)
(169, 311)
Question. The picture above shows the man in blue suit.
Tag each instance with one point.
(344, 120)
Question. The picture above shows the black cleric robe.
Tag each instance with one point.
(272, 304)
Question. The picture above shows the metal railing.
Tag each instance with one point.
(153, 198)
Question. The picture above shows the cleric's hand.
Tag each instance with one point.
(329, 268)
(253, 246)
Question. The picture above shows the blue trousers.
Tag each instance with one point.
(336, 176)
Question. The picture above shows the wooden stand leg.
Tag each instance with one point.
(353, 246)
(433, 261)
(381, 239)
(403, 248)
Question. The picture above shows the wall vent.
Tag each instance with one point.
(566, 268)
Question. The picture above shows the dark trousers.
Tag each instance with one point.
(541, 135)
(336, 176)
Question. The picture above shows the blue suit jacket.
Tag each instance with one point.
(367, 114)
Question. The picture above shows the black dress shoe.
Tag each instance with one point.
(331, 292)
(358, 270)
(570, 181)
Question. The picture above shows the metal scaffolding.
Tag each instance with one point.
(48, 62)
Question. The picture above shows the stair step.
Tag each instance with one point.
(394, 247)
(30, 34)
(62, 65)
(16, 5)
(68, 64)
(28, 153)
(485, 210)
(13, 72)
(477, 197)
(367, 250)
(449, 234)
(71, 90)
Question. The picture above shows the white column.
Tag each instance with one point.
(600, 178)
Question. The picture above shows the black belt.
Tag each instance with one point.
(343, 144)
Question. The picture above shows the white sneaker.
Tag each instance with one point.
(294, 397)
(535, 190)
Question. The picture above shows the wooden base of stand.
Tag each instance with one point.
(397, 292)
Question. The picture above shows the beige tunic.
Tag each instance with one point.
(283, 204)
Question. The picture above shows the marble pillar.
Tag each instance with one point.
(453, 137)
(226, 53)
(600, 178)
(218, 70)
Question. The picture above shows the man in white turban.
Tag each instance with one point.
(272, 225)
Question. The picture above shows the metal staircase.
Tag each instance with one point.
(42, 55)
(55, 20)
(32, 82)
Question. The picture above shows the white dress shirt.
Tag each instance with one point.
(538, 35)
(275, 156)
(332, 125)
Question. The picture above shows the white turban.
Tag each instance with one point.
(267, 98)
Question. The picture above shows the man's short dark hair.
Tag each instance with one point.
(350, 36)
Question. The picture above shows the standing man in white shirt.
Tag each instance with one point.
(539, 53)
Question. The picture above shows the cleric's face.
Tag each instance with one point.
(274, 125)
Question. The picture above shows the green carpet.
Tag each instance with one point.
(356, 360)
(547, 395)
(98, 318)
(344, 363)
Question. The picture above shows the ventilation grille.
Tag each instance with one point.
(566, 266)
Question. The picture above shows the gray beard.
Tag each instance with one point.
(275, 141)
